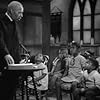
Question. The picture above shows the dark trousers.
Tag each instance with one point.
(89, 93)
(53, 80)
(8, 82)
(62, 86)
(58, 89)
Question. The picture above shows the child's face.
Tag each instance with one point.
(89, 65)
(64, 52)
(60, 55)
(73, 50)
(39, 57)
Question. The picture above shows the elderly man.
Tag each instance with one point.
(9, 48)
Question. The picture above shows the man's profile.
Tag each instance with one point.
(9, 48)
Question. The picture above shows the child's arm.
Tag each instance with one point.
(66, 67)
(82, 82)
(44, 72)
(53, 68)
(41, 77)
(97, 80)
(54, 64)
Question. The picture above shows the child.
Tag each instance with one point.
(75, 65)
(59, 67)
(91, 77)
(41, 76)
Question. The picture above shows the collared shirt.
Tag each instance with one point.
(8, 16)
(76, 66)
(92, 79)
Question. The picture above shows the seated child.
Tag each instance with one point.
(91, 78)
(76, 63)
(59, 67)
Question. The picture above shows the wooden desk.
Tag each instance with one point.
(25, 69)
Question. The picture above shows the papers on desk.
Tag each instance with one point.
(27, 66)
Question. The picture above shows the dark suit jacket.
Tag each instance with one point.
(9, 43)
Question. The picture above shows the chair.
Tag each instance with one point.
(97, 98)
(66, 88)
(43, 94)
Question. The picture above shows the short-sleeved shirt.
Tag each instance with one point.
(44, 81)
(92, 79)
(78, 64)
(75, 68)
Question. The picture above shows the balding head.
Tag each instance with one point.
(15, 5)
(15, 9)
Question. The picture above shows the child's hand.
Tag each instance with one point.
(51, 73)
(82, 89)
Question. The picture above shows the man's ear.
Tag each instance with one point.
(11, 11)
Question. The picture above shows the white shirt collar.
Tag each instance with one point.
(8, 16)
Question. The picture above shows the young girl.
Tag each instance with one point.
(41, 76)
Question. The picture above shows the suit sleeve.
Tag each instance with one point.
(3, 48)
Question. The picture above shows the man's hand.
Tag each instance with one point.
(23, 61)
(9, 59)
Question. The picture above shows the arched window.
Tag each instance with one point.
(97, 22)
(86, 21)
(76, 22)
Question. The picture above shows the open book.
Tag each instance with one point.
(27, 66)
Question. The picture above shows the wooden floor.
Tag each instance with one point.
(50, 97)
(53, 98)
